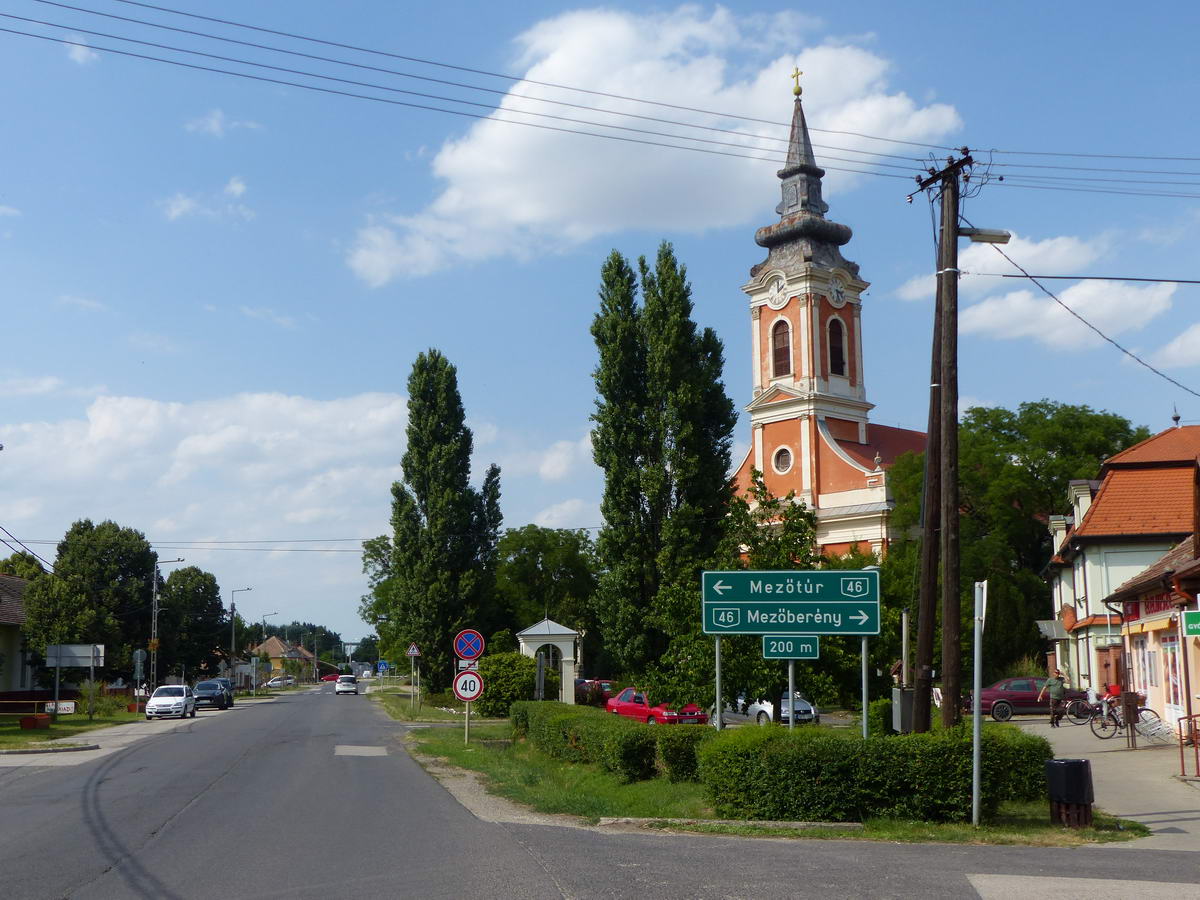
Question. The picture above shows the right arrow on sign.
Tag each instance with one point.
(861, 618)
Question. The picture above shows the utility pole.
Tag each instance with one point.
(233, 632)
(154, 621)
(947, 287)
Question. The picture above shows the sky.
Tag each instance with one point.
(213, 287)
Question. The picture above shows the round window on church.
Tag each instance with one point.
(782, 460)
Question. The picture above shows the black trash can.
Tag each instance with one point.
(1069, 782)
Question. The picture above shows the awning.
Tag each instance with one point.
(1152, 625)
(1052, 629)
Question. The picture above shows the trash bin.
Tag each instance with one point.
(1069, 782)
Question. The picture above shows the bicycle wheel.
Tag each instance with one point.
(1151, 727)
(1078, 712)
(1105, 726)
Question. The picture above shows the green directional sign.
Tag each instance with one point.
(828, 601)
(791, 646)
(1191, 623)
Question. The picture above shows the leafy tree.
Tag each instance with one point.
(368, 649)
(663, 432)
(100, 593)
(192, 626)
(1014, 467)
(22, 565)
(434, 575)
(550, 573)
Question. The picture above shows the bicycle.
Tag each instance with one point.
(1106, 724)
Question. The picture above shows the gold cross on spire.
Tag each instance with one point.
(796, 73)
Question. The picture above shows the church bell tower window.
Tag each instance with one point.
(781, 349)
(837, 348)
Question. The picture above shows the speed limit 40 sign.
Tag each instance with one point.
(468, 686)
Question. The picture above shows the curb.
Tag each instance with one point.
(757, 823)
(71, 749)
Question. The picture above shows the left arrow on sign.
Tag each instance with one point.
(721, 587)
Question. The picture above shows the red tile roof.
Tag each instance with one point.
(12, 604)
(888, 442)
(1175, 445)
(1141, 501)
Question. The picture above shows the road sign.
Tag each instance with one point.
(413, 650)
(1191, 623)
(468, 663)
(139, 655)
(80, 655)
(382, 665)
(468, 644)
(468, 686)
(791, 646)
(829, 601)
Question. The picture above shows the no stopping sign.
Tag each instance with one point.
(468, 686)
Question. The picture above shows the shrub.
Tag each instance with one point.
(584, 734)
(879, 716)
(770, 773)
(677, 750)
(509, 677)
(93, 695)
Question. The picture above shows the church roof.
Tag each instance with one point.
(888, 442)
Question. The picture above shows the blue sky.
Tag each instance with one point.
(214, 288)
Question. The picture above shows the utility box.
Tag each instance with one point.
(1069, 783)
(902, 709)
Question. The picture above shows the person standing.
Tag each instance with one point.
(1056, 687)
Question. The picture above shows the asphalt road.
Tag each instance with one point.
(312, 796)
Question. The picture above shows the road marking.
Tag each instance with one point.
(353, 750)
(1004, 887)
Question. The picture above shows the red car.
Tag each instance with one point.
(333, 677)
(636, 705)
(1015, 695)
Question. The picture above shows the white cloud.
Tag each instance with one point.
(1063, 255)
(217, 205)
(84, 303)
(563, 456)
(568, 514)
(1181, 352)
(1112, 307)
(265, 314)
(79, 52)
(520, 192)
(28, 387)
(9, 211)
(216, 124)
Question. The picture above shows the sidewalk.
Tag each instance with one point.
(1132, 784)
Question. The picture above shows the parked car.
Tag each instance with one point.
(280, 681)
(584, 686)
(212, 693)
(763, 713)
(228, 685)
(1015, 695)
(171, 700)
(346, 684)
(636, 704)
(333, 676)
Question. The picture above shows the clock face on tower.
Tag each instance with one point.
(777, 294)
(837, 293)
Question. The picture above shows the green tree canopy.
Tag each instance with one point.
(434, 574)
(22, 565)
(192, 625)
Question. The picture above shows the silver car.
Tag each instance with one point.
(760, 711)
(171, 700)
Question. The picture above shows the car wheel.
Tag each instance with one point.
(193, 712)
(650, 720)
(149, 718)
(1002, 710)
(764, 718)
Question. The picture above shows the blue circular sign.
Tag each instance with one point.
(468, 644)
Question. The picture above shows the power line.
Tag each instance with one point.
(427, 107)
(23, 547)
(1137, 359)
(443, 81)
(1086, 278)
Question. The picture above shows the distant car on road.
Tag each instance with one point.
(1015, 695)
(636, 705)
(331, 677)
(280, 681)
(171, 700)
(762, 712)
(346, 684)
(213, 693)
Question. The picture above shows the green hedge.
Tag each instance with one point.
(770, 773)
(586, 734)
(677, 746)
(879, 716)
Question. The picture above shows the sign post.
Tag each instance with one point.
(468, 686)
(413, 690)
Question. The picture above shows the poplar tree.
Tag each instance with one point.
(434, 575)
(663, 432)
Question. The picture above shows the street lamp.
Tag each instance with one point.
(233, 629)
(154, 620)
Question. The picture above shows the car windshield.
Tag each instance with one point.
(169, 692)
(346, 679)
(208, 686)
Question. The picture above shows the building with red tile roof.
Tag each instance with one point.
(810, 433)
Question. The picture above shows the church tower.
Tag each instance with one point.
(810, 431)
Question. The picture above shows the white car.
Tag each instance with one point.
(346, 684)
(761, 711)
(171, 700)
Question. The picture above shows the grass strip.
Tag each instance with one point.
(399, 706)
(12, 737)
(519, 772)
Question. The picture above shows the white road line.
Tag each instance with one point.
(1005, 887)
(353, 750)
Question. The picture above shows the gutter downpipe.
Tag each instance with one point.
(1183, 650)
